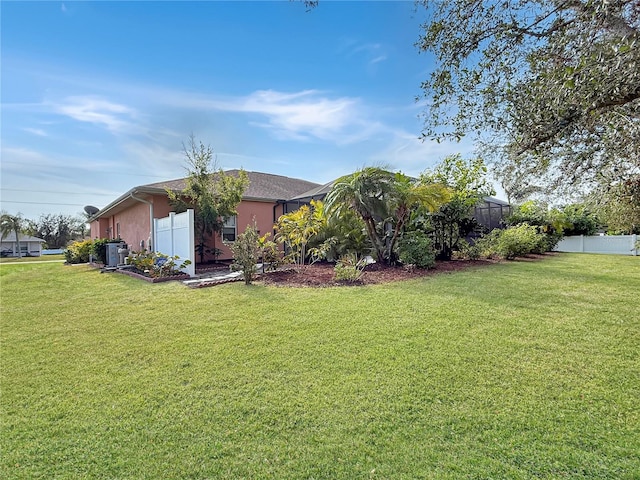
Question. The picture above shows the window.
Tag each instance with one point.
(229, 229)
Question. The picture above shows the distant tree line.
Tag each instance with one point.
(56, 229)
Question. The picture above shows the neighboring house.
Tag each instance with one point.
(130, 217)
(29, 246)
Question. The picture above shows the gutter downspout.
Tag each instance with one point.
(151, 245)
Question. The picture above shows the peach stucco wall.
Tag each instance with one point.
(134, 222)
(249, 210)
(134, 225)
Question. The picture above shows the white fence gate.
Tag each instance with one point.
(612, 244)
(174, 235)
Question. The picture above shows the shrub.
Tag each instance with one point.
(511, 242)
(246, 250)
(580, 220)
(349, 268)
(99, 249)
(156, 265)
(468, 251)
(415, 248)
(269, 253)
(78, 252)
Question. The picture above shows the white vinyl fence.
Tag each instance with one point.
(611, 244)
(174, 235)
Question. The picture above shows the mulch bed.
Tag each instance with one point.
(321, 274)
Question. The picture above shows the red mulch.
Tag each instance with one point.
(321, 274)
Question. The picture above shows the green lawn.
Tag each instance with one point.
(514, 371)
(42, 258)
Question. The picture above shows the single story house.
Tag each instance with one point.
(130, 216)
(29, 246)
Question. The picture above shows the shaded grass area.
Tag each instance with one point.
(518, 370)
(41, 258)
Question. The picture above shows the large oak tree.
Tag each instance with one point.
(550, 87)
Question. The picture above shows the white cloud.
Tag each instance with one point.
(378, 59)
(36, 131)
(412, 156)
(301, 116)
(92, 109)
(371, 52)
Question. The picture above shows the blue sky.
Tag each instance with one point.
(98, 97)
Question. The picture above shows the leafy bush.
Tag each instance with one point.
(156, 265)
(415, 248)
(78, 252)
(246, 250)
(269, 253)
(99, 249)
(468, 251)
(341, 235)
(512, 242)
(581, 220)
(296, 229)
(548, 241)
(349, 268)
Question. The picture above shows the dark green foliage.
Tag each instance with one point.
(449, 226)
(341, 235)
(453, 221)
(57, 230)
(384, 201)
(415, 248)
(468, 251)
(618, 206)
(99, 249)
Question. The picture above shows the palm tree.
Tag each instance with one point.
(408, 195)
(12, 223)
(384, 200)
(366, 192)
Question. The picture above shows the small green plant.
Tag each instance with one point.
(246, 251)
(156, 265)
(349, 268)
(415, 248)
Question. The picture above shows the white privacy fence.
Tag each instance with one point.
(174, 235)
(611, 244)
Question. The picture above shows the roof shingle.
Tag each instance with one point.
(263, 186)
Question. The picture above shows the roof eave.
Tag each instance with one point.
(124, 197)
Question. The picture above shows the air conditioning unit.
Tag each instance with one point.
(112, 253)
